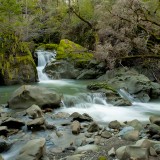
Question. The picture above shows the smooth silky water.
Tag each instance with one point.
(76, 98)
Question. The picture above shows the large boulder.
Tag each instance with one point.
(70, 50)
(88, 74)
(140, 151)
(61, 69)
(132, 152)
(27, 95)
(112, 95)
(81, 118)
(134, 83)
(33, 150)
(13, 123)
(71, 58)
(18, 67)
(73, 62)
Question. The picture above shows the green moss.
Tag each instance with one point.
(102, 158)
(70, 50)
(100, 85)
(48, 46)
(14, 54)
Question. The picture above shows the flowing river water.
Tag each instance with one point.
(76, 98)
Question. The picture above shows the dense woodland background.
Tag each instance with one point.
(120, 32)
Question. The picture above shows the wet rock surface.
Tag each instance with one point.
(131, 81)
(27, 95)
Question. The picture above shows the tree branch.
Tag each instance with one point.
(81, 18)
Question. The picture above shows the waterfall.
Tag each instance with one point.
(83, 100)
(43, 58)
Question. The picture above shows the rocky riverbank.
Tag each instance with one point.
(32, 129)
(36, 131)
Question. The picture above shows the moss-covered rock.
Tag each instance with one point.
(100, 85)
(17, 64)
(70, 50)
(113, 97)
(102, 158)
(49, 46)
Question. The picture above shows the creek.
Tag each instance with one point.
(76, 98)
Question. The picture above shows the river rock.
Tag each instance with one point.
(61, 115)
(13, 123)
(136, 124)
(155, 120)
(27, 95)
(114, 125)
(3, 130)
(76, 127)
(49, 125)
(152, 152)
(36, 123)
(88, 147)
(33, 150)
(34, 112)
(118, 101)
(89, 141)
(132, 152)
(146, 143)
(125, 130)
(131, 136)
(112, 152)
(93, 127)
(106, 134)
(4, 145)
(153, 129)
(81, 118)
(75, 157)
(120, 153)
(135, 152)
(157, 148)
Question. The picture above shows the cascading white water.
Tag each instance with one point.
(43, 58)
(83, 100)
(126, 95)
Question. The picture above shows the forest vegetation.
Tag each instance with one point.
(119, 32)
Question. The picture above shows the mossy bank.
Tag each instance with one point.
(17, 65)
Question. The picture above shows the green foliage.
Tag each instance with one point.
(85, 9)
(9, 8)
